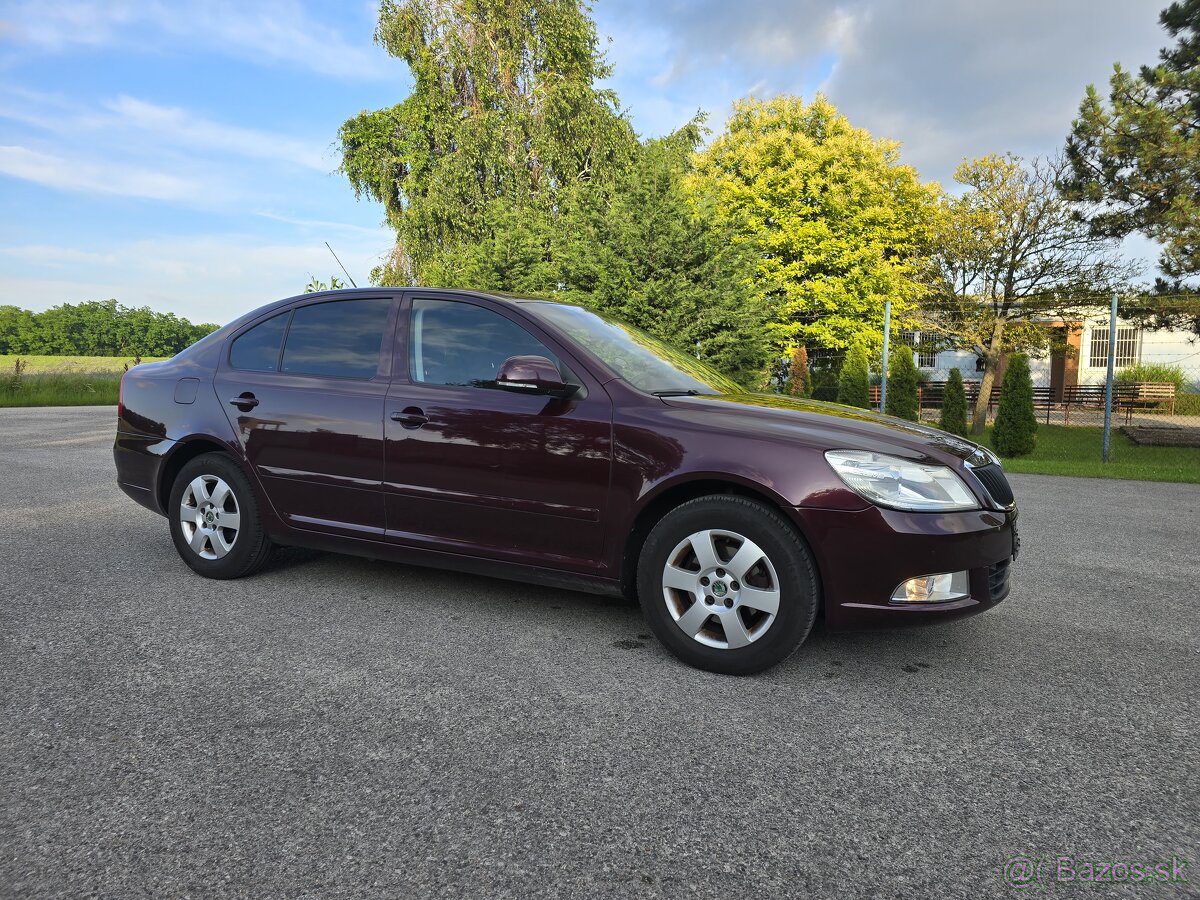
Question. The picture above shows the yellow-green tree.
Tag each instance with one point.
(837, 223)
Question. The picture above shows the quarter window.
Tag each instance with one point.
(339, 339)
(463, 344)
(257, 350)
(1126, 351)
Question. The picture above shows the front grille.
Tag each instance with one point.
(998, 580)
(995, 483)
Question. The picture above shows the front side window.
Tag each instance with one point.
(257, 350)
(462, 344)
(338, 339)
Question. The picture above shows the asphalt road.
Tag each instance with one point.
(337, 727)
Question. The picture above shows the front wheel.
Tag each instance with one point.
(214, 519)
(728, 585)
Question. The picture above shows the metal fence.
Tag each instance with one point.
(1105, 371)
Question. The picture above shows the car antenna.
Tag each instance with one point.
(339, 262)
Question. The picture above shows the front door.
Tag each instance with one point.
(475, 469)
(304, 390)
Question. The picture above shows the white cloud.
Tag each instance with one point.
(269, 31)
(92, 177)
(206, 278)
(179, 126)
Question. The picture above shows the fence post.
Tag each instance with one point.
(1108, 382)
(887, 331)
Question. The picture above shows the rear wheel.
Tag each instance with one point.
(727, 585)
(214, 519)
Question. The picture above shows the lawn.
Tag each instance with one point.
(62, 380)
(1077, 451)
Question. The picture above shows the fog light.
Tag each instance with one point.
(933, 588)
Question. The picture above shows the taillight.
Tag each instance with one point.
(121, 397)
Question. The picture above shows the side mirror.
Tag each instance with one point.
(533, 375)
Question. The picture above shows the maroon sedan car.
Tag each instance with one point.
(540, 441)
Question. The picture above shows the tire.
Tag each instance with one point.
(715, 612)
(214, 519)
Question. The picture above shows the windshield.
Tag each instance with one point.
(645, 362)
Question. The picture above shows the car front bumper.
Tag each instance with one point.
(865, 554)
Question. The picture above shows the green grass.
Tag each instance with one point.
(36, 365)
(1077, 451)
(62, 380)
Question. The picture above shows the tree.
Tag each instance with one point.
(903, 383)
(504, 113)
(854, 383)
(836, 223)
(1016, 424)
(314, 286)
(1009, 257)
(96, 328)
(954, 406)
(1135, 161)
(798, 379)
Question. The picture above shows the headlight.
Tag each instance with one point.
(901, 483)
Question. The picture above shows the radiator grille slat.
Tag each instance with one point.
(995, 483)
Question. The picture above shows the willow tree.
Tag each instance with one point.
(505, 111)
(836, 222)
(1011, 257)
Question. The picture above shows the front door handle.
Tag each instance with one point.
(410, 417)
(245, 402)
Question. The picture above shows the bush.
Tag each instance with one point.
(798, 378)
(903, 380)
(954, 406)
(854, 386)
(1154, 372)
(1187, 404)
(1016, 424)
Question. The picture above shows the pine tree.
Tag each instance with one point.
(902, 384)
(854, 384)
(1016, 423)
(799, 383)
(954, 406)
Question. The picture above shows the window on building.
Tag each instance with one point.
(1126, 350)
(923, 347)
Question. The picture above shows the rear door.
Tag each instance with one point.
(304, 389)
(475, 469)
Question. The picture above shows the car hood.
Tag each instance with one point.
(832, 425)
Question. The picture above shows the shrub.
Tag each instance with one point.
(1154, 372)
(798, 378)
(854, 386)
(1016, 424)
(903, 380)
(954, 406)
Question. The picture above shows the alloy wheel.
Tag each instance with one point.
(721, 589)
(209, 516)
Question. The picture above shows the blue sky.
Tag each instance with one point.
(181, 155)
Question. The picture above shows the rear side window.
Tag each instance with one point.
(257, 350)
(340, 339)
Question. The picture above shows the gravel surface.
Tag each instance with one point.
(337, 727)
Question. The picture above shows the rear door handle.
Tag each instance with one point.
(410, 417)
(245, 403)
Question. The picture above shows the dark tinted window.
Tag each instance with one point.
(458, 343)
(258, 348)
(340, 339)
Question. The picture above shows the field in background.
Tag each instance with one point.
(62, 380)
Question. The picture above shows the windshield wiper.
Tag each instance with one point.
(677, 392)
